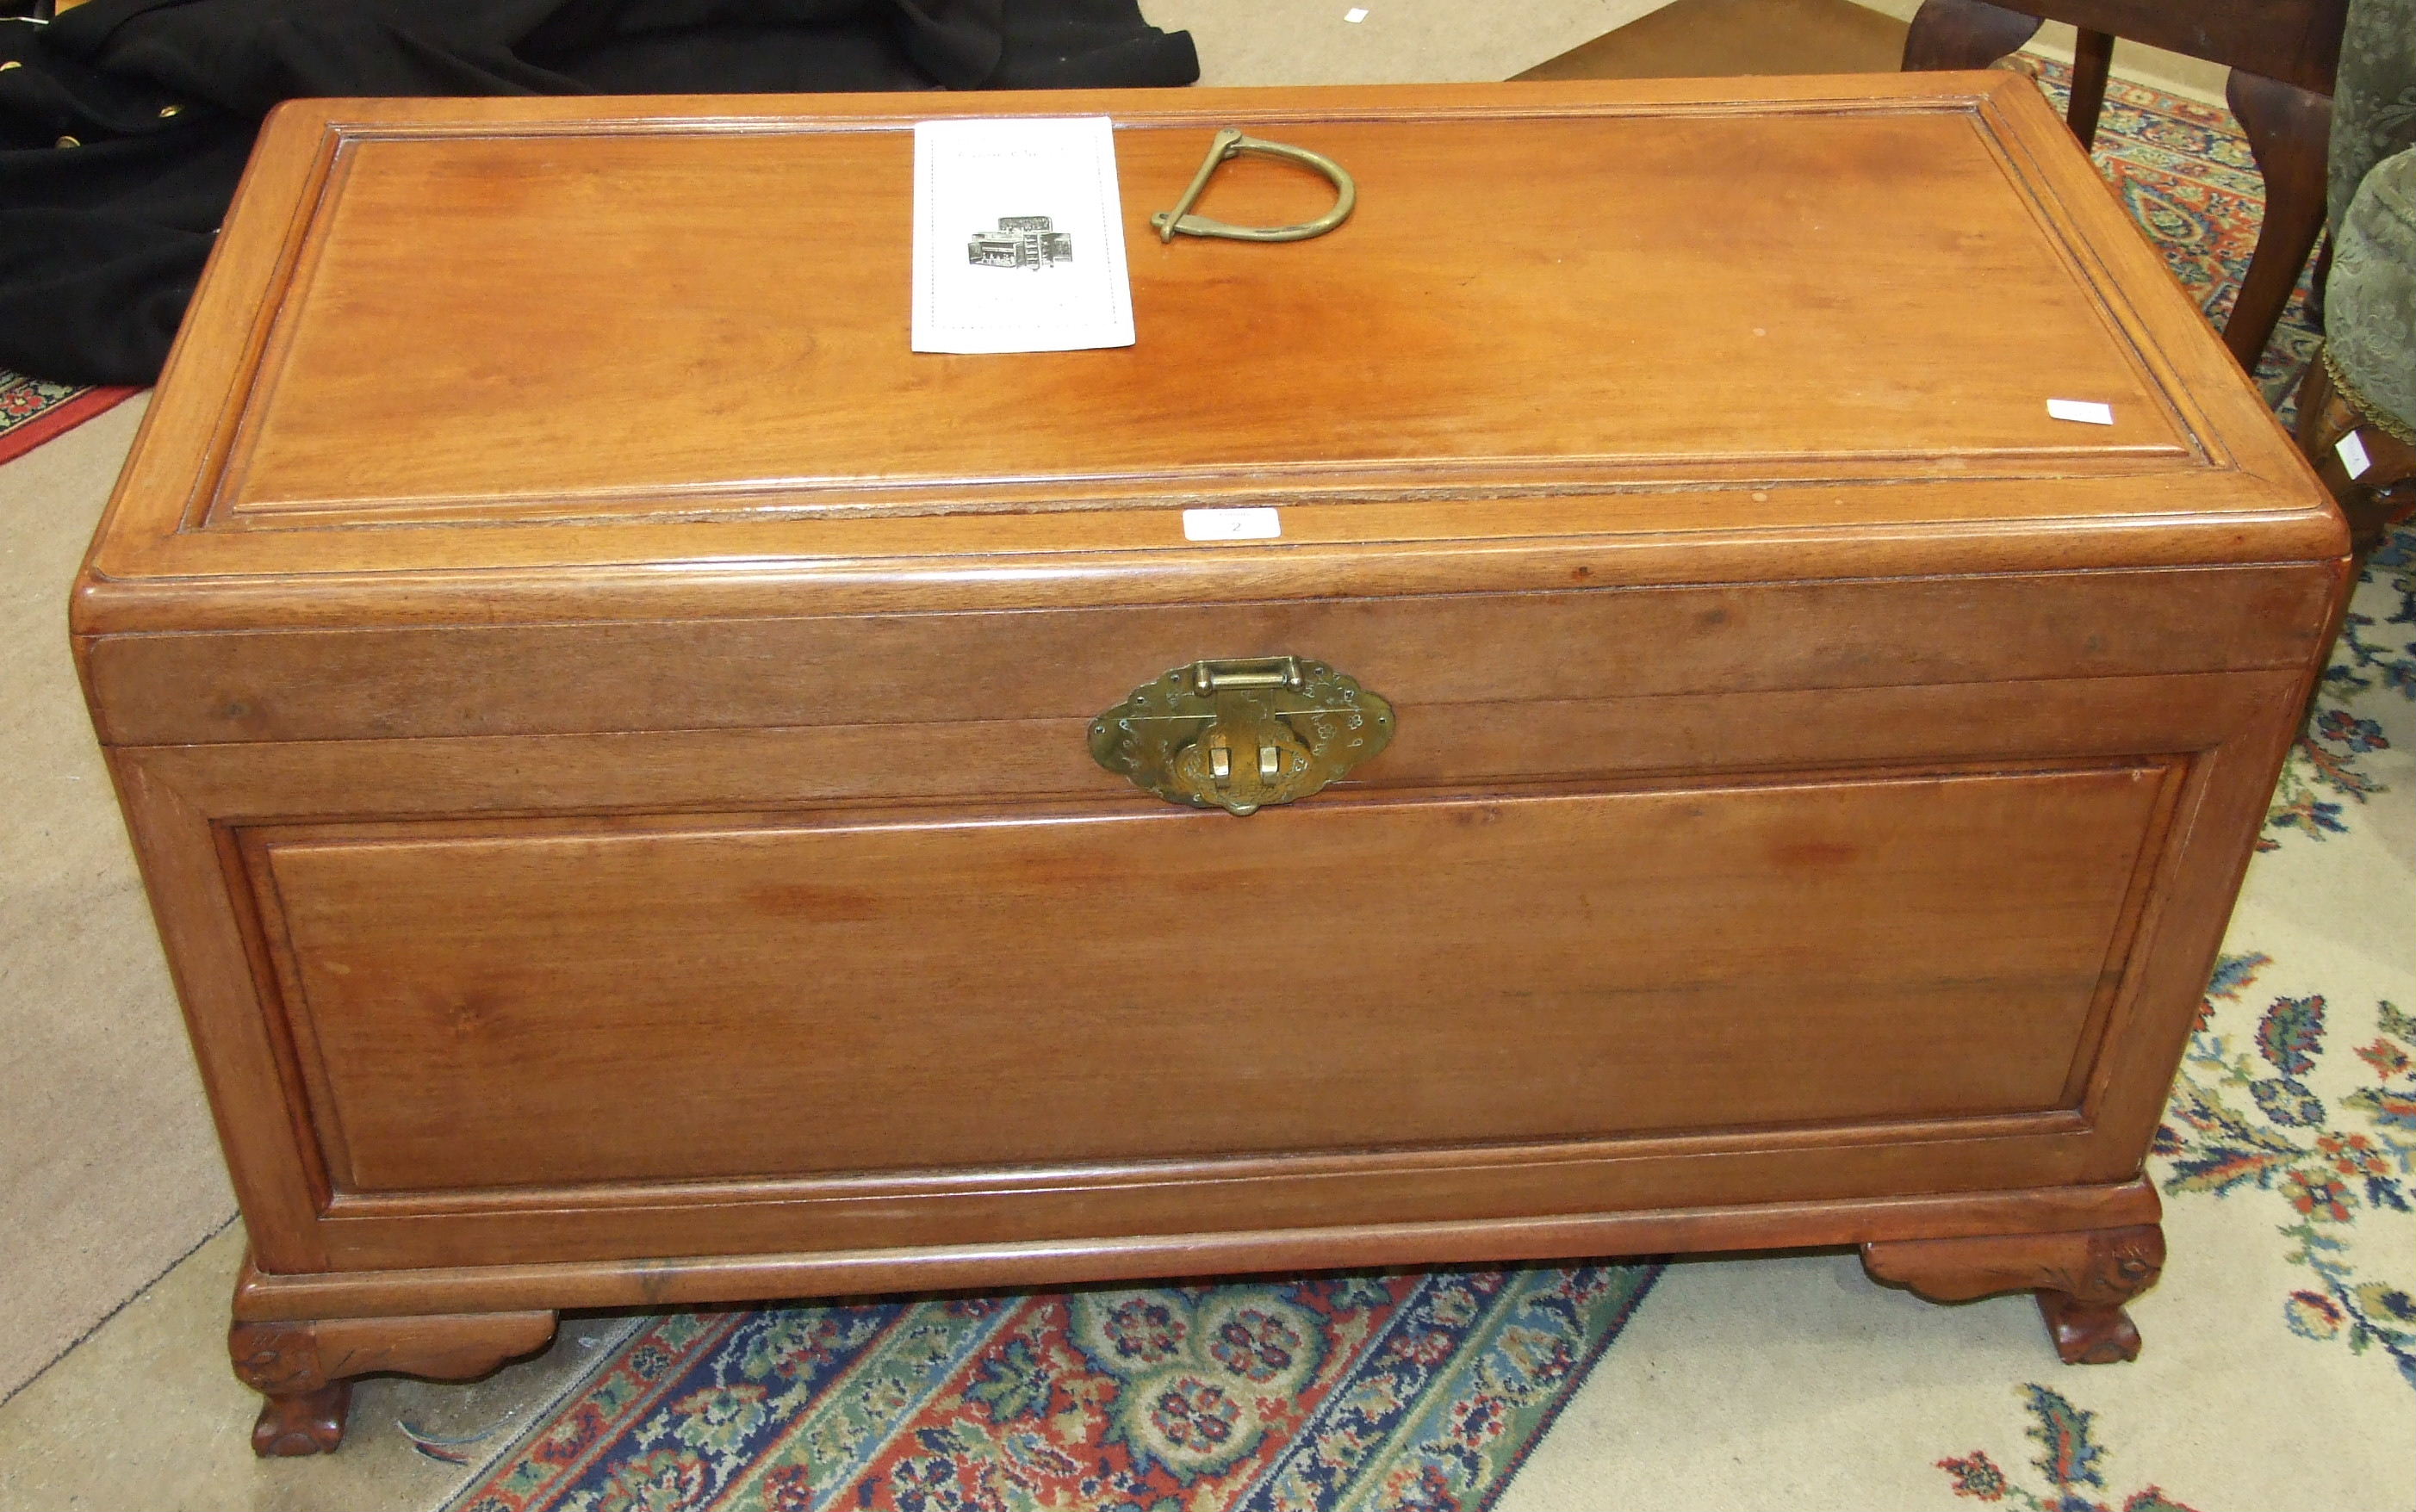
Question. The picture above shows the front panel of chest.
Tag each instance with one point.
(848, 986)
(518, 1003)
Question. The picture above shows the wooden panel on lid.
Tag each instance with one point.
(655, 316)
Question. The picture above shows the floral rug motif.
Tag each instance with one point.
(2268, 1101)
(1412, 1390)
(2069, 1458)
(2324, 1177)
(34, 410)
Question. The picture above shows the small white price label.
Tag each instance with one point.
(1232, 525)
(2087, 411)
(2352, 451)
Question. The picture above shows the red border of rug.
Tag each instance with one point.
(61, 417)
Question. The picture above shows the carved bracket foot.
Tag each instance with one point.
(309, 1422)
(2087, 1335)
(2082, 1279)
(305, 1369)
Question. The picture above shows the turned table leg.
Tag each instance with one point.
(305, 1369)
(2082, 1279)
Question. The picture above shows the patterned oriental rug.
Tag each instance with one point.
(1360, 1392)
(33, 410)
(2290, 1147)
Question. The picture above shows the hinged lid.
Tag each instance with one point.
(596, 358)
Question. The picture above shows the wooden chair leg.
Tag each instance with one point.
(2092, 57)
(1964, 33)
(2289, 129)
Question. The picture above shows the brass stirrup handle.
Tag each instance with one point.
(1227, 143)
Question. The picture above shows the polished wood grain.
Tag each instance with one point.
(296, 1424)
(769, 350)
(1434, 651)
(613, 785)
(288, 1357)
(254, 785)
(1742, 481)
(703, 1280)
(1237, 961)
(2094, 1333)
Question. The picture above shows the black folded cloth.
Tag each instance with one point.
(125, 124)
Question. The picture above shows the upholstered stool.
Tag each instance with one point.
(2361, 389)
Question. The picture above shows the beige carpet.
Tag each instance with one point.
(1398, 42)
(107, 1168)
(1733, 38)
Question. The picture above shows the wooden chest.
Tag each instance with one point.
(609, 731)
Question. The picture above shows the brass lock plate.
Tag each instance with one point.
(1240, 734)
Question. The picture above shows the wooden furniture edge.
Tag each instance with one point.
(159, 552)
(1306, 570)
(695, 1281)
(299, 1339)
(305, 1369)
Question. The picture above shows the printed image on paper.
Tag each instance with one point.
(1035, 208)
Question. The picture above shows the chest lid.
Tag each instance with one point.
(596, 358)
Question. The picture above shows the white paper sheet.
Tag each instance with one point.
(2352, 451)
(2088, 411)
(1232, 525)
(1018, 236)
